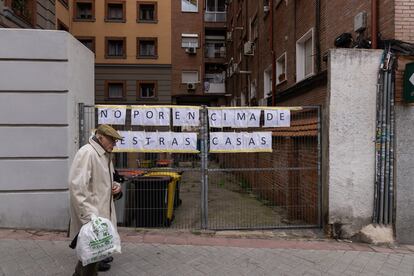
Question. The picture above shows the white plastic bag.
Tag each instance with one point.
(97, 240)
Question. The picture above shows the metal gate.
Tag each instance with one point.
(258, 190)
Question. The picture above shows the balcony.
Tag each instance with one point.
(214, 84)
(215, 50)
(215, 16)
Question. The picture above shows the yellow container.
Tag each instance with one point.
(172, 186)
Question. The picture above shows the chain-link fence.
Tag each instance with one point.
(249, 190)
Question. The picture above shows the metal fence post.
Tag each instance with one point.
(319, 149)
(81, 120)
(204, 167)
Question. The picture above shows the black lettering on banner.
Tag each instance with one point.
(252, 117)
(117, 114)
(177, 115)
(122, 142)
(103, 113)
(214, 141)
(281, 116)
(238, 141)
(269, 116)
(252, 142)
(134, 140)
(213, 118)
(228, 141)
(224, 116)
(263, 140)
(149, 114)
(241, 116)
(187, 141)
(136, 113)
(161, 141)
(161, 115)
(174, 142)
(191, 115)
(148, 140)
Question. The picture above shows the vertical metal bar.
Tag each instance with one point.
(319, 149)
(392, 119)
(203, 157)
(81, 121)
(383, 130)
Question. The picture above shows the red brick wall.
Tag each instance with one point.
(180, 59)
(404, 24)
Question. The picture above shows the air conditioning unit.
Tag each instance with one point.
(249, 48)
(191, 86)
(229, 36)
(191, 50)
(266, 9)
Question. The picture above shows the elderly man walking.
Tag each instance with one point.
(91, 186)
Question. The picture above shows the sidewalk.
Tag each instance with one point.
(181, 253)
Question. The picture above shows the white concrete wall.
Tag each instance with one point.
(350, 122)
(404, 173)
(44, 75)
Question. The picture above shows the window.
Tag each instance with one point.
(189, 40)
(115, 90)
(146, 89)
(189, 77)
(115, 47)
(215, 46)
(147, 47)
(89, 42)
(254, 29)
(189, 5)
(281, 69)
(84, 10)
(304, 56)
(267, 82)
(215, 11)
(147, 12)
(115, 11)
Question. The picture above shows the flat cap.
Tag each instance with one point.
(108, 131)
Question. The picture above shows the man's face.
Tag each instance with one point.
(107, 142)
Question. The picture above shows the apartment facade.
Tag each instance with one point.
(297, 35)
(198, 52)
(132, 45)
(37, 14)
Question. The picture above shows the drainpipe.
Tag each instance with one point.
(317, 34)
(374, 24)
(272, 50)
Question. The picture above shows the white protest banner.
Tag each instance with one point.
(112, 115)
(150, 142)
(150, 115)
(214, 117)
(184, 142)
(246, 118)
(186, 116)
(137, 140)
(216, 139)
(240, 142)
(258, 141)
(276, 118)
(124, 144)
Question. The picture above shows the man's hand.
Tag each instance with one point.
(116, 188)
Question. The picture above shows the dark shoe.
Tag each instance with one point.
(108, 260)
(103, 266)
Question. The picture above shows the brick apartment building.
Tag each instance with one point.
(198, 52)
(303, 33)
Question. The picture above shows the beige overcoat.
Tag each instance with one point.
(90, 186)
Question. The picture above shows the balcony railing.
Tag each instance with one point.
(214, 51)
(215, 16)
(214, 83)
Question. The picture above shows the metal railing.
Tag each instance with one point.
(215, 16)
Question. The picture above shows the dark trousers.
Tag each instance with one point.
(88, 270)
